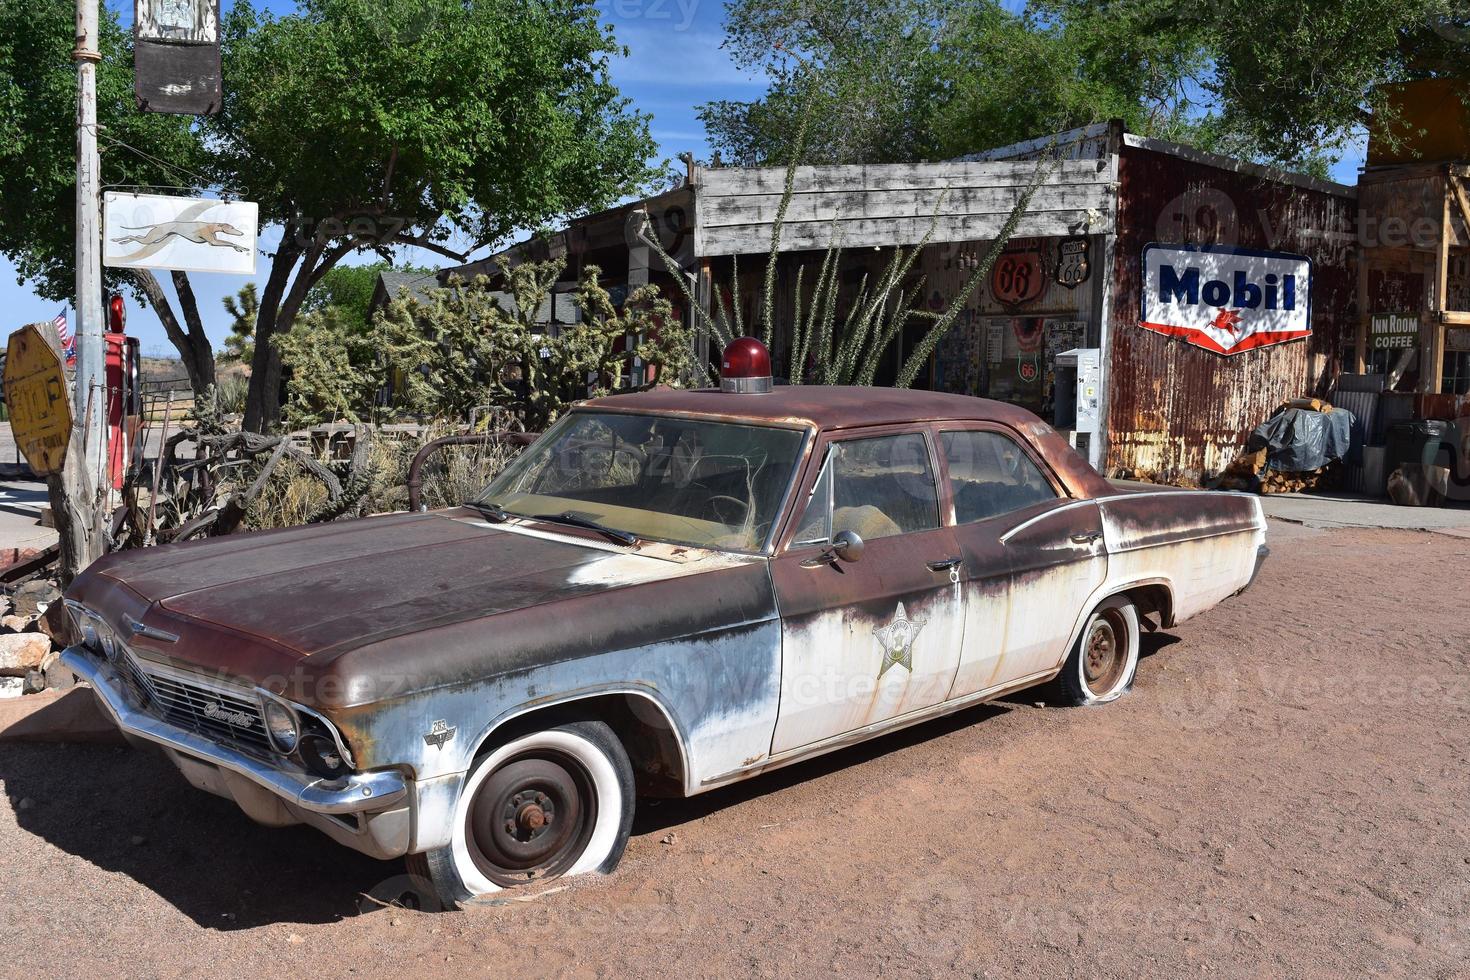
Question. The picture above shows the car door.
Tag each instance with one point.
(868, 640)
(1032, 556)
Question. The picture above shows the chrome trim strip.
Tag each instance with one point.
(353, 794)
(152, 632)
(844, 739)
(1070, 505)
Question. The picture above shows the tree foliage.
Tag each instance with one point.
(1287, 81)
(358, 125)
(470, 347)
(38, 107)
(243, 308)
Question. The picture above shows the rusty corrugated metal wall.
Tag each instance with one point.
(1176, 412)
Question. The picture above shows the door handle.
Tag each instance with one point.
(945, 564)
(1087, 537)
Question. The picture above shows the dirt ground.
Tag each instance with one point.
(1284, 792)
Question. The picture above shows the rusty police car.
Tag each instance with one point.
(667, 592)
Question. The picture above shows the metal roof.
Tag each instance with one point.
(822, 406)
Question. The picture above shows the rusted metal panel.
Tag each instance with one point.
(1178, 413)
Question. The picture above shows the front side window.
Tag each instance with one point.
(665, 478)
(991, 475)
(875, 487)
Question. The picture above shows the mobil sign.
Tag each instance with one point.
(1226, 299)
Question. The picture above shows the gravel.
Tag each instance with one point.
(1283, 793)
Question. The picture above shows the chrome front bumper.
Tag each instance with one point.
(357, 793)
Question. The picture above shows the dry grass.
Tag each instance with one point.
(451, 476)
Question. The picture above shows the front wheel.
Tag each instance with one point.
(1102, 663)
(554, 802)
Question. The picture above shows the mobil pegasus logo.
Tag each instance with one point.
(1226, 299)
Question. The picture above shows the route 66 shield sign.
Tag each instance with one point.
(1073, 266)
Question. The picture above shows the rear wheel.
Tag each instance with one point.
(1102, 663)
(551, 803)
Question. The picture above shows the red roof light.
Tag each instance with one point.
(117, 313)
(745, 367)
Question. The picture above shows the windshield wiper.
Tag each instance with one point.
(567, 517)
(491, 512)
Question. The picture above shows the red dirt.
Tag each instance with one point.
(1283, 792)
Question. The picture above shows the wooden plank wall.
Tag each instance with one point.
(894, 204)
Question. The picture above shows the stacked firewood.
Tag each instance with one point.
(1249, 472)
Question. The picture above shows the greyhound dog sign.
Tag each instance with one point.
(189, 234)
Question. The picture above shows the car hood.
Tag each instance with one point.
(253, 605)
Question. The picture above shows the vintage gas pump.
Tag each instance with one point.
(124, 391)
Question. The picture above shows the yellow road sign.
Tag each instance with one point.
(35, 393)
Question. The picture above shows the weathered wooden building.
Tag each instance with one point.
(1258, 305)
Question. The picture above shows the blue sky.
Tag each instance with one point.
(675, 64)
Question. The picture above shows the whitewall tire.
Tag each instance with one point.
(546, 804)
(1103, 662)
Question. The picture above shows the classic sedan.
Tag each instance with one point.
(667, 592)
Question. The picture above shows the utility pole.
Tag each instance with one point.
(75, 498)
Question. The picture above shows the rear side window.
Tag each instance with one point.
(991, 475)
(883, 486)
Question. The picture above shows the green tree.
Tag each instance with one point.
(351, 288)
(358, 125)
(243, 308)
(38, 159)
(1286, 81)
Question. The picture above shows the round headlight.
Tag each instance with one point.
(322, 757)
(108, 640)
(281, 726)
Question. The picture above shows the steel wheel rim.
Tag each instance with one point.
(532, 818)
(1105, 655)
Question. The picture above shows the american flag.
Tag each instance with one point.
(68, 346)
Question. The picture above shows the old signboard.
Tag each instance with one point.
(176, 56)
(1226, 299)
(1073, 266)
(151, 231)
(1016, 278)
(35, 393)
(1393, 331)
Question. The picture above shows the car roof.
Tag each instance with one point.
(822, 406)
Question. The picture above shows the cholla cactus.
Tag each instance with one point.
(461, 348)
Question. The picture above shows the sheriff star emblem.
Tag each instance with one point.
(897, 640)
(439, 734)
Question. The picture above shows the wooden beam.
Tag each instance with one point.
(1441, 287)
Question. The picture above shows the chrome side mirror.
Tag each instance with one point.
(848, 545)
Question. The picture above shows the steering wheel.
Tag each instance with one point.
(715, 500)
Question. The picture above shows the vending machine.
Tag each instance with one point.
(1078, 400)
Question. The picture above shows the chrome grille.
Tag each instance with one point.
(230, 717)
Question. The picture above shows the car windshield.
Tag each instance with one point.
(708, 484)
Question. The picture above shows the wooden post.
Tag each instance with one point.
(1365, 315)
(1435, 367)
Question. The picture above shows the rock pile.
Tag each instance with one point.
(34, 629)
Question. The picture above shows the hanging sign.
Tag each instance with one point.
(1226, 299)
(35, 394)
(1016, 278)
(150, 231)
(1073, 266)
(176, 56)
(1393, 331)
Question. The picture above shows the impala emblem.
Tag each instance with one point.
(897, 640)
(439, 735)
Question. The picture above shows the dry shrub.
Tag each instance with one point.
(451, 476)
(289, 498)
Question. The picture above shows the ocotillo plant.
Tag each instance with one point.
(876, 316)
